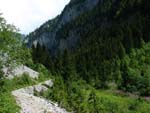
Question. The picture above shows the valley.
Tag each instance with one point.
(92, 58)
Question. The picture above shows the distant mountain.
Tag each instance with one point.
(81, 19)
(23, 36)
(48, 33)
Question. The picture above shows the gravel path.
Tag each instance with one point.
(33, 104)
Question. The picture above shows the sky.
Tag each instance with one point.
(27, 15)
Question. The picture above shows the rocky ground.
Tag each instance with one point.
(33, 104)
(10, 72)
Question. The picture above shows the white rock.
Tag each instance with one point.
(48, 83)
(33, 104)
(18, 71)
(40, 88)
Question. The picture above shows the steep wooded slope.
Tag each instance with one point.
(90, 44)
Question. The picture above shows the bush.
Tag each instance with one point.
(7, 103)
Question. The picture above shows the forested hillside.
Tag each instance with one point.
(97, 52)
(107, 47)
(104, 35)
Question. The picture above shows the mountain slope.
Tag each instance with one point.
(81, 19)
(96, 52)
(89, 44)
(47, 33)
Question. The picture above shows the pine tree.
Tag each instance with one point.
(68, 65)
(121, 50)
(1, 80)
(125, 75)
(92, 100)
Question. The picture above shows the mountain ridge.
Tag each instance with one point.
(66, 30)
(48, 38)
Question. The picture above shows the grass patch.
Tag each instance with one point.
(80, 97)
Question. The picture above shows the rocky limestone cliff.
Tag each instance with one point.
(49, 39)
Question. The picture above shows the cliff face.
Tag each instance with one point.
(112, 21)
(49, 39)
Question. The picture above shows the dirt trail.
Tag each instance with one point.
(33, 104)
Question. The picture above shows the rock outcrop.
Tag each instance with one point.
(33, 104)
(49, 38)
(10, 73)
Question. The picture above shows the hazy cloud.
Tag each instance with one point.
(30, 14)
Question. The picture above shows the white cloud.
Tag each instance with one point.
(30, 14)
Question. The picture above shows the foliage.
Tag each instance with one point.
(12, 50)
(12, 53)
(112, 52)
(106, 34)
(7, 103)
(136, 71)
(82, 98)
